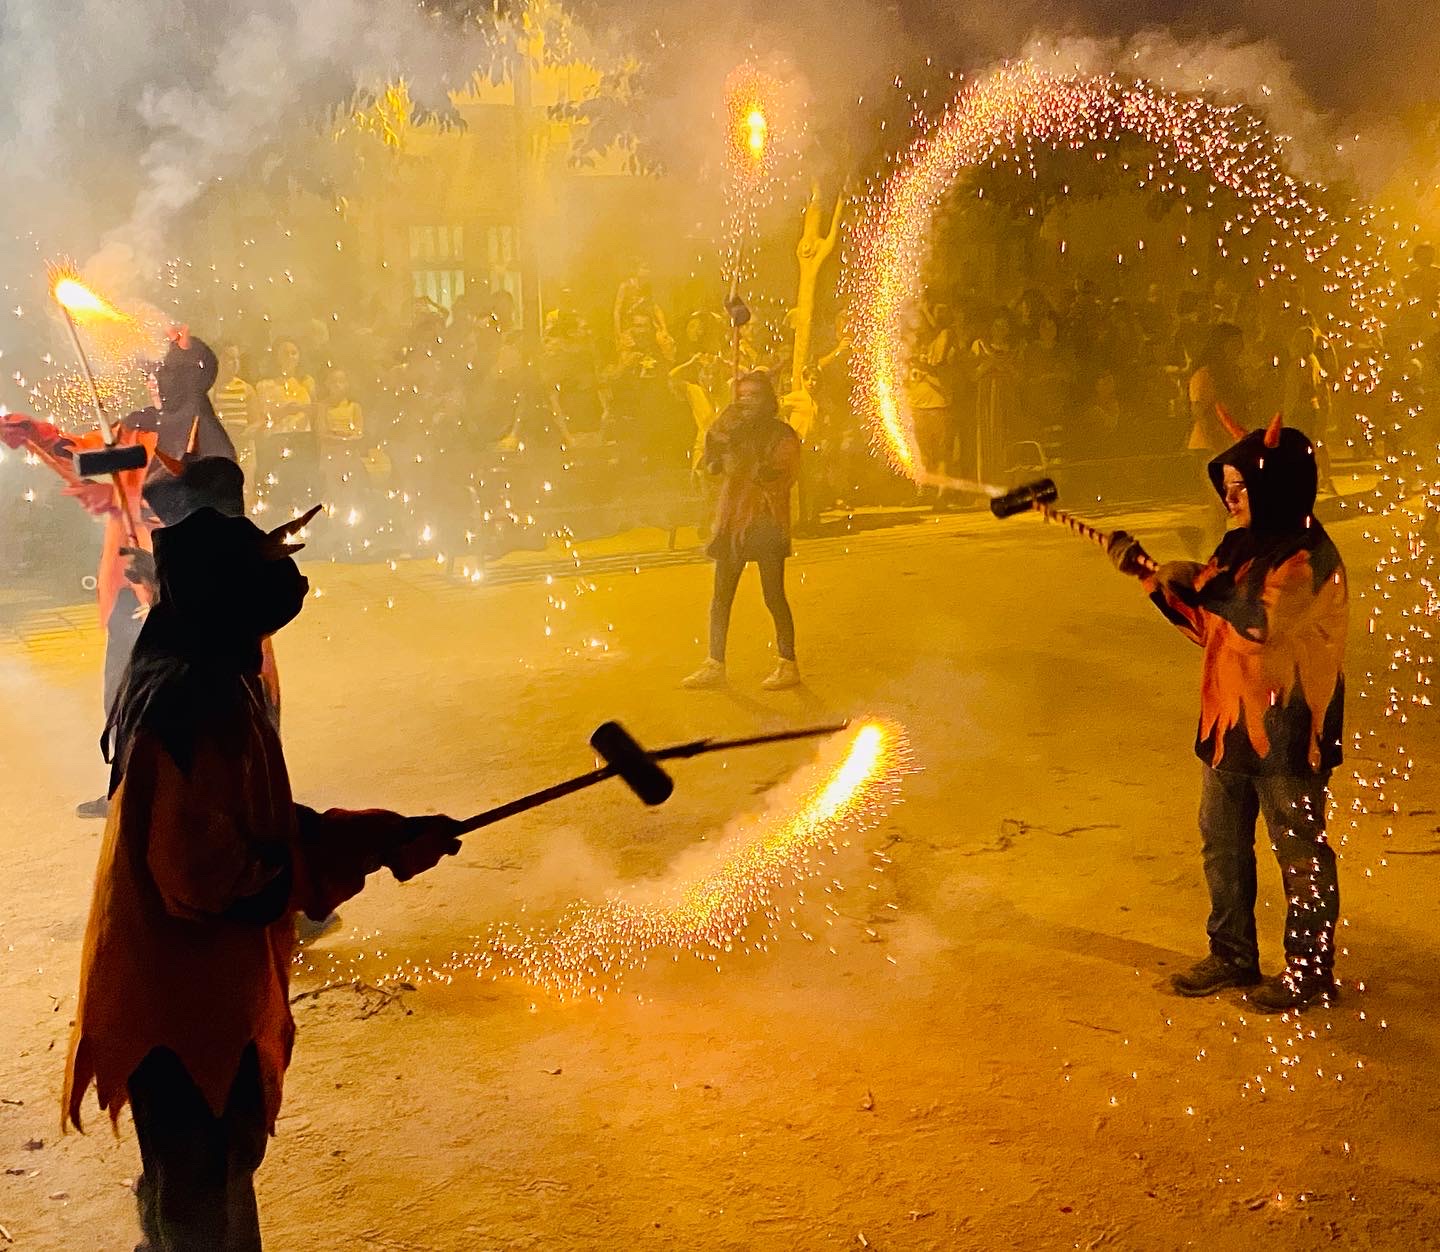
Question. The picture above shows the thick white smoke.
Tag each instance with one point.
(126, 113)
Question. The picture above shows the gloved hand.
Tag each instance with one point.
(97, 499)
(1178, 575)
(420, 843)
(15, 430)
(1126, 554)
(140, 568)
(18, 429)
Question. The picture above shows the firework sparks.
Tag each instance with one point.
(80, 302)
(754, 137)
(756, 129)
(733, 906)
(1199, 147)
(118, 342)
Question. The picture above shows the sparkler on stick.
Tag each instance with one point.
(749, 151)
(1196, 148)
(74, 298)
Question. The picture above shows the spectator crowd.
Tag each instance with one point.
(457, 421)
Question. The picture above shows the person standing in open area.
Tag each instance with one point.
(1270, 608)
(758, 458)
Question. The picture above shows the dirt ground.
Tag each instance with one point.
(991, 1064)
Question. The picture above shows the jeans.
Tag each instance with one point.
(1294, 811)
(772, 583)
(197, 1192)
(121, 631)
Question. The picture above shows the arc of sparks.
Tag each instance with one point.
(734, 905)
(996, 119)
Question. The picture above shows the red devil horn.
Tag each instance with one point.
(175, 466)
(180, 337)
(1272, 431)
(1235, 430)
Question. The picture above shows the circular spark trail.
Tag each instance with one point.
(733, 906)
(1199, 147)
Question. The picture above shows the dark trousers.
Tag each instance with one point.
(121, 631)
(772, 582)
(1294, 811)
(197, 1192)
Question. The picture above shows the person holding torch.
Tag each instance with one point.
(179, 420)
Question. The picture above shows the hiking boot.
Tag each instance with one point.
(711, 674)
(787, 674)
(1288, 991)
(1213, 974)
(94, 810)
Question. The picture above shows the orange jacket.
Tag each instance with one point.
(168, 959)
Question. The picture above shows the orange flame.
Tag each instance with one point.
(757, 130)
(80, 301)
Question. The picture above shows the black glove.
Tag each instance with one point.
(1126, 554)
(140, 568)
(420, 844)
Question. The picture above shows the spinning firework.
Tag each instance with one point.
(733, 906)
(1199, 147)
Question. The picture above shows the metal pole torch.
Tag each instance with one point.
(107, 429)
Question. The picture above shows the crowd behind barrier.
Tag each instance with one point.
(456, 432)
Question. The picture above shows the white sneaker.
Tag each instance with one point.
(711, 674)
(787, 674)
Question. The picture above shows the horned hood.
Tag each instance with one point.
(1278, 466)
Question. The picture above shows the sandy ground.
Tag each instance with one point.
(993, 1063)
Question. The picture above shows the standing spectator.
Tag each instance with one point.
(1219, 405)
(1101, 421)
(341, 418)
(1030, 310)
(758, 457)
(236, 404)
(848, 446)
(572, 369)
(342, 425)
(1217, 381)
(703, 375)
(1047, 368)
(930, 393)
(1308, 378)
(1155, 319)
(997, 398)
(635, 298)
(286, 453)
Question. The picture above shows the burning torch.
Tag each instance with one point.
(73, 297)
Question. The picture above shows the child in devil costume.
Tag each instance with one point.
(183, 1007)
(180, 421)
(1270, 608)
(173, 490)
